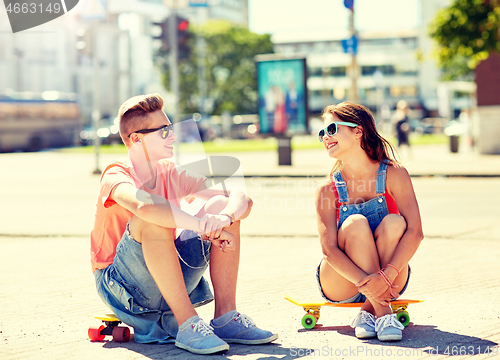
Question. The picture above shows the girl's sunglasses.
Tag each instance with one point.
(165, 130)
(331, 129)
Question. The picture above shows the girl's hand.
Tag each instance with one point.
(385, 299)
(374, 287)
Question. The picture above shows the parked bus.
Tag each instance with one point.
(32, 122)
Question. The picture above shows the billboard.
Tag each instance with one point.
(282, 95)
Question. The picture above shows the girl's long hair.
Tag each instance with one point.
(376, 147)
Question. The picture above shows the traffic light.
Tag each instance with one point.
(83, 41)
(160, 34)
(183, 37)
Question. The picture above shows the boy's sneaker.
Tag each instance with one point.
(388, 328)
(237, 328)
(197, 336)
(364, 325)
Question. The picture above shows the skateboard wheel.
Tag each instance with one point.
(95, 333)
(121, 334)
(308, 321)
(403, 318)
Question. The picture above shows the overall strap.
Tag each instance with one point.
(381, 175)
(341, 186)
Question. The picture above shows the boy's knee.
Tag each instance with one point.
(216, 204)
(141, 231)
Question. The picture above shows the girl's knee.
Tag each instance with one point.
(355, 224)
(392, 226)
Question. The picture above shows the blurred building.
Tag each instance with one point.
(392, 66)
(114, 34)
(199, 11)
(388, 69)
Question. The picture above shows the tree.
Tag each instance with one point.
(230, 70)
(465, 34)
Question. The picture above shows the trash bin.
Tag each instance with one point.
(454, 130)
(285, 151)
(454, 141)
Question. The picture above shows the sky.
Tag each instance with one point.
(286, 16)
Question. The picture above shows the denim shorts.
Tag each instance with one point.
(357, 298)
(128, 288)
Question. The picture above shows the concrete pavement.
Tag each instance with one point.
(49, 300)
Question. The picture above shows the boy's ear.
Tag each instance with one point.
(135, 138)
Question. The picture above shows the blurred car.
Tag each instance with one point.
(421, 127)
(245, 127)
(108, 132)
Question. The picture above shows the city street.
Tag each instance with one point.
(49, 299)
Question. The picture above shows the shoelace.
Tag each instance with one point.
(202, 327)
(387, 321)
(363, 316)
(245, 320)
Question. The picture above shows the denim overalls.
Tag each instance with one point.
(374, 209)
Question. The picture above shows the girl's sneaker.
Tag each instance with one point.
(388, 328)
(364, 325)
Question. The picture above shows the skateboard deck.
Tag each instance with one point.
(312, 310)
(110, 327)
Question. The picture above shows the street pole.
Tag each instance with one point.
(96, 112)
(353, 91)
(174, 74)
(202, 71)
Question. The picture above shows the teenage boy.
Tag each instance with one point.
(150, 278)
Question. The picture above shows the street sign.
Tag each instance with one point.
(349, 4)
(93, 10)
(350, 46)
(176, 4)
(198, 3)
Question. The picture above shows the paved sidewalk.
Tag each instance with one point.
(49, 298)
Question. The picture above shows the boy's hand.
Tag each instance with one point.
(213, 225)
(225, 241)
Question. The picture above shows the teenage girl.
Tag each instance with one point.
(368, 221)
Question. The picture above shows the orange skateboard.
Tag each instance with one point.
(119, 333)
(312, 310)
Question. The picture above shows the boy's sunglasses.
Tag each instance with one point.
(165, 130)
(331, 129)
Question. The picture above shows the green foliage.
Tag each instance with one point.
(465, 34)
(230, 70)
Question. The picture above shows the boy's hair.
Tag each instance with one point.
(376, 147)
(133, 114)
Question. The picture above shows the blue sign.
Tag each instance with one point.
(282, 92)
(198, 3)
(349, 4)
(350, 46)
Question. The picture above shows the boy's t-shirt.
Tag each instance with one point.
(172, 183)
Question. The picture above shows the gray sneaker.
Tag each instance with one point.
(237, 328)
(364, 325)
(198, 337)
(388, 328)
